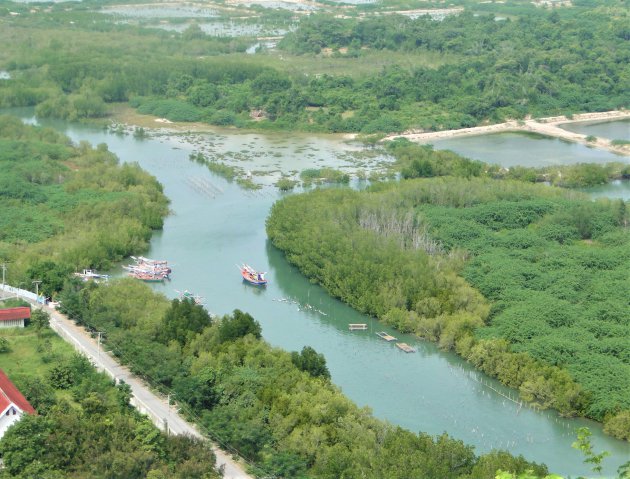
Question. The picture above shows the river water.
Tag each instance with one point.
(216, 227)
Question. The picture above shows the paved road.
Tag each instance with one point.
(143, 399)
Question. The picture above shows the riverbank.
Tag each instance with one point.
(548, 126)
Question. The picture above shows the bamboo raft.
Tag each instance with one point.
(405, 347)
(357, 326)
(385, 336)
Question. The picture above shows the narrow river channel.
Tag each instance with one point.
(214, 228)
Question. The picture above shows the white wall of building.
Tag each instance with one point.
(10, 416)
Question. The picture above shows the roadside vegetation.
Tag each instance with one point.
(527, 282)
(84, 425)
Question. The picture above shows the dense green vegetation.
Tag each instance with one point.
(527, 282)
(277, 409)
(65, 208)
(85, 426)
(73, 63)
(531, 65)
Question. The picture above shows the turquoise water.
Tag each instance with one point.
(432, 391)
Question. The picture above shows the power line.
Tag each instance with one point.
(205, 430)
(4, 272)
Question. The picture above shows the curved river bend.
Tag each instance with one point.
(215, 227)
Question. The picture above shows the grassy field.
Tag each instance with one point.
(370, 61)
(32, 354)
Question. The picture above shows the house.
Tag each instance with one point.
(12, 404)
(14, 317)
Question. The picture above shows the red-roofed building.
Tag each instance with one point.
(14, 317)
(12, 404)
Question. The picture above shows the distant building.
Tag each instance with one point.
(12, 404)
(14, 317)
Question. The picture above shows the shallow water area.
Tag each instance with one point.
(268, 156)
(209, 234)
(614, 130)
(519, 149)
(221, 29)
(618, 189)
(164, 11)
(279, 4)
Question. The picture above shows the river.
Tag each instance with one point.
(213, 229)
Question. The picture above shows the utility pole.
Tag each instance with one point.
(37, 283)
(4, 272)
(99, 343)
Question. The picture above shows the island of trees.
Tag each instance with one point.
(527, 282)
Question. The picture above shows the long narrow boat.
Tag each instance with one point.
(148, 270)
(252, 276)
(147, 277)
(91, 275)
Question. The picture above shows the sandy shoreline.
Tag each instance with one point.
(550, 126)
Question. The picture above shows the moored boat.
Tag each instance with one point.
(91, 275)
(149, 270)
(252, 276)
(147, 277)
(188, 295)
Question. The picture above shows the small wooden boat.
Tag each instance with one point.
(252, 276)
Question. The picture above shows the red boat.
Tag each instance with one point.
(252, 276)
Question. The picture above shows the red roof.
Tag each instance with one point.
(10, 394)
(15, 313)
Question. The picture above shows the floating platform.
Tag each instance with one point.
(385, 336)
(405, 347)
(357, 326)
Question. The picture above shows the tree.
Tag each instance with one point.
(40, 319)
(585, 445)
(61, 376)
(311, 362)
(183, 320)
(238, 325)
